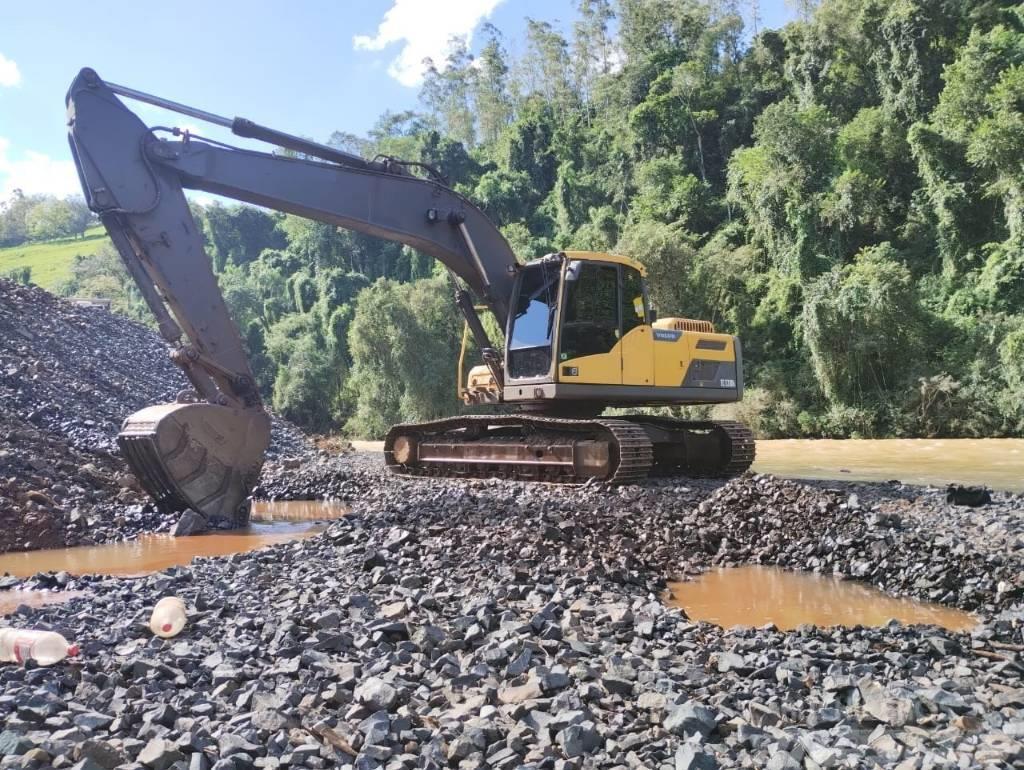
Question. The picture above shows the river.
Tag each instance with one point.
(996, 463)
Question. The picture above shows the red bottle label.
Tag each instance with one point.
(23, 649)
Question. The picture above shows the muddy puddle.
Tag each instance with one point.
(152, 553)
(272, 522)
(756, 596)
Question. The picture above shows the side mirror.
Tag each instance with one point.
(652, 314)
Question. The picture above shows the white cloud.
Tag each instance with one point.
(424, 29)
(10, 75)
(35, 172)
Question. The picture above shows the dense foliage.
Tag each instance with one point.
(25, 218)
(846, 193)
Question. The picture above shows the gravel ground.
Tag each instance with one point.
(478, 624)
(498, 624)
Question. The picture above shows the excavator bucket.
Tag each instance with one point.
(199, 456)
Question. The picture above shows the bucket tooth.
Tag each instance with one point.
(200, 456)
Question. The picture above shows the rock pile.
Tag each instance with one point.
(77, 372)
(68, 377)
(903, 539)
(493, 624)
(316, 477)
(53, 494)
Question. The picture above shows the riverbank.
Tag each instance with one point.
(501, 624)
(69, 375)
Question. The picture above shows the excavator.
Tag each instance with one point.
(580, 334)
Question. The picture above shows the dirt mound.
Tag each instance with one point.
(77, 372)
(69, 376)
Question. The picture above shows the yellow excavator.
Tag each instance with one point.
(580, 333)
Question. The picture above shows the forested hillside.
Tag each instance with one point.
(846, 193)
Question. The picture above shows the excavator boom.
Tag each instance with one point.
(206, 452)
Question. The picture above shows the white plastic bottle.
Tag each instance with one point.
(18, 645)
(168, 617)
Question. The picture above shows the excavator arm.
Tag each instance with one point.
(207, 454)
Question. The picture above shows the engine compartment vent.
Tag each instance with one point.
(685, 325)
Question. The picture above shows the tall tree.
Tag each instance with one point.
(546, 68)
(593, 49)
(448, 92)
(491, 94)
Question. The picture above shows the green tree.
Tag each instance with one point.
(593, 48)
(102, 275)
(13, 214)
(22, 275)
(492, 95)
(240, 233)
(306, 376)
(404, 342)
(448, 92)
(546, 68)
(780, 181)
(669, 257)
(52, 218)
(864, 328)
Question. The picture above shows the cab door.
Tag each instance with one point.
(589, 350)
(637, 337)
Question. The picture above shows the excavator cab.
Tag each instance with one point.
(582, 334)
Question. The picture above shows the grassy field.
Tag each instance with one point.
(51, 260)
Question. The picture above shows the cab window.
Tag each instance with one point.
(591, 322)
(529, 346)
(634, 305)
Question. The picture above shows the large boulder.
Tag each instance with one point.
(190, 523)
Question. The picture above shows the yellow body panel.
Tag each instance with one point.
(640, 359)
(672, 359)
(599, 256)
(601, 369)
(638, 356)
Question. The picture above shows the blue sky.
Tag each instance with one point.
(308, 67)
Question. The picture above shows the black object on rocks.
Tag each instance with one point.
(971, 496)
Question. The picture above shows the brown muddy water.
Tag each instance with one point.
(995, 462)
(272, 522)
(757, 596)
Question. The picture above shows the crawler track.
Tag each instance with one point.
(618, 450)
